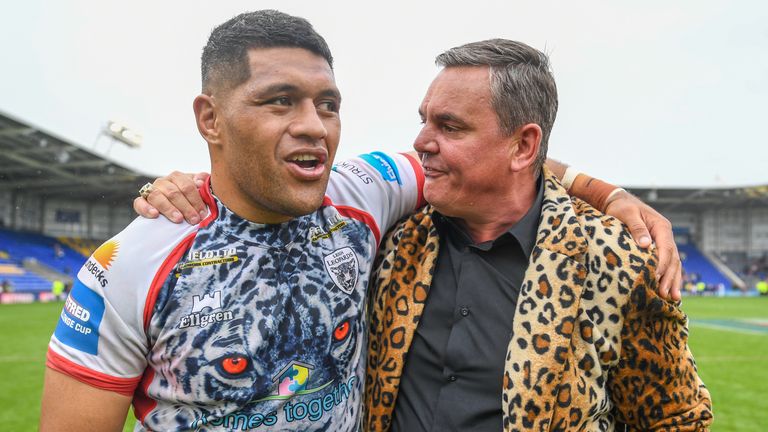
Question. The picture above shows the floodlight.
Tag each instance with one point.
(122, 133)
(63, 156)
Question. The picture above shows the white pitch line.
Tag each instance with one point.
(730, 359)
(728, 328)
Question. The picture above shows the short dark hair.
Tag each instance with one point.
(225, 56)
(523, 88)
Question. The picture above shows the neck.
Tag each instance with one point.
(237, 202)
(487, 221)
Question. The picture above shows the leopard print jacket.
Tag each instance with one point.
(593, 344)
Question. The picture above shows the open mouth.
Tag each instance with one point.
(307, 165)
(306, 161)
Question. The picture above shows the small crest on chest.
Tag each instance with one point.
(342, 266)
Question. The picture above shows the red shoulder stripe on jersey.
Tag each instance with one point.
(356, 214)
(59, 363)
(142, 403)
(419, 172)
(205, 194)
(162, 275)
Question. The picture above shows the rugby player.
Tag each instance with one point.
(252, 316)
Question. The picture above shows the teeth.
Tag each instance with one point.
(304, 157)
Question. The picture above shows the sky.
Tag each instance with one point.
(652, 93)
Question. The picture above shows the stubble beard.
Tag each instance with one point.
(274, 198)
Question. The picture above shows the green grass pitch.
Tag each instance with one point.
(729, 338)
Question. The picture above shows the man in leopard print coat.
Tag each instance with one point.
(591, 346)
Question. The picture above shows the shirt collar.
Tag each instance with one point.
(275, 235)
(524, 231)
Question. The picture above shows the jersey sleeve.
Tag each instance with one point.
(384, 186)
(101, 336)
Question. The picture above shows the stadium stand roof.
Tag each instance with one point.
(665, 199)
(37, 162)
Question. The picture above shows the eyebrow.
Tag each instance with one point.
(274, 88)
(331, 93)
(448, 117)
(290, 88)
(443, 117)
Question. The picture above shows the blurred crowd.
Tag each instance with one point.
(756, 271)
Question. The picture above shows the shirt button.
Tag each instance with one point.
(464, 311)
(452, 378)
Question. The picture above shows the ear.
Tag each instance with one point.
(528, 142)
(205, 115)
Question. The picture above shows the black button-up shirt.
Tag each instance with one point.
(452, 379)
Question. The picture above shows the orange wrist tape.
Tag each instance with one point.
(592, 190)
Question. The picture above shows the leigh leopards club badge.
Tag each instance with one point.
(342, 266)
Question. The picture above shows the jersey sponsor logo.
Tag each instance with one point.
(294, 410)
(314, 408)
(238, 420)
(384, 164)
(354, 170)
(335, 223)
(207, 302)
(80, 319)
(97, 272)
(211, 301)
(293, 379)
(101, 261)
(106, 253)
(342, 267)
(291, 383)
(209, 257)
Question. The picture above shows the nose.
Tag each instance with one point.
(425, 142)
(307, 124)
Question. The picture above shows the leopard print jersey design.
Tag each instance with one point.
(258, 326)
(593, 345)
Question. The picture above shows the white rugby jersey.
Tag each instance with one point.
(233, 325)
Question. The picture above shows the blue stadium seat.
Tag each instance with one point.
(695, 262)
(20, 246)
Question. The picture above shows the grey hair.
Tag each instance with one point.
(523, 88)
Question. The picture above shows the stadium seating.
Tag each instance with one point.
(18, 247)
(66, 255)
(694, 262)
(83, 246)
(20, 279)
